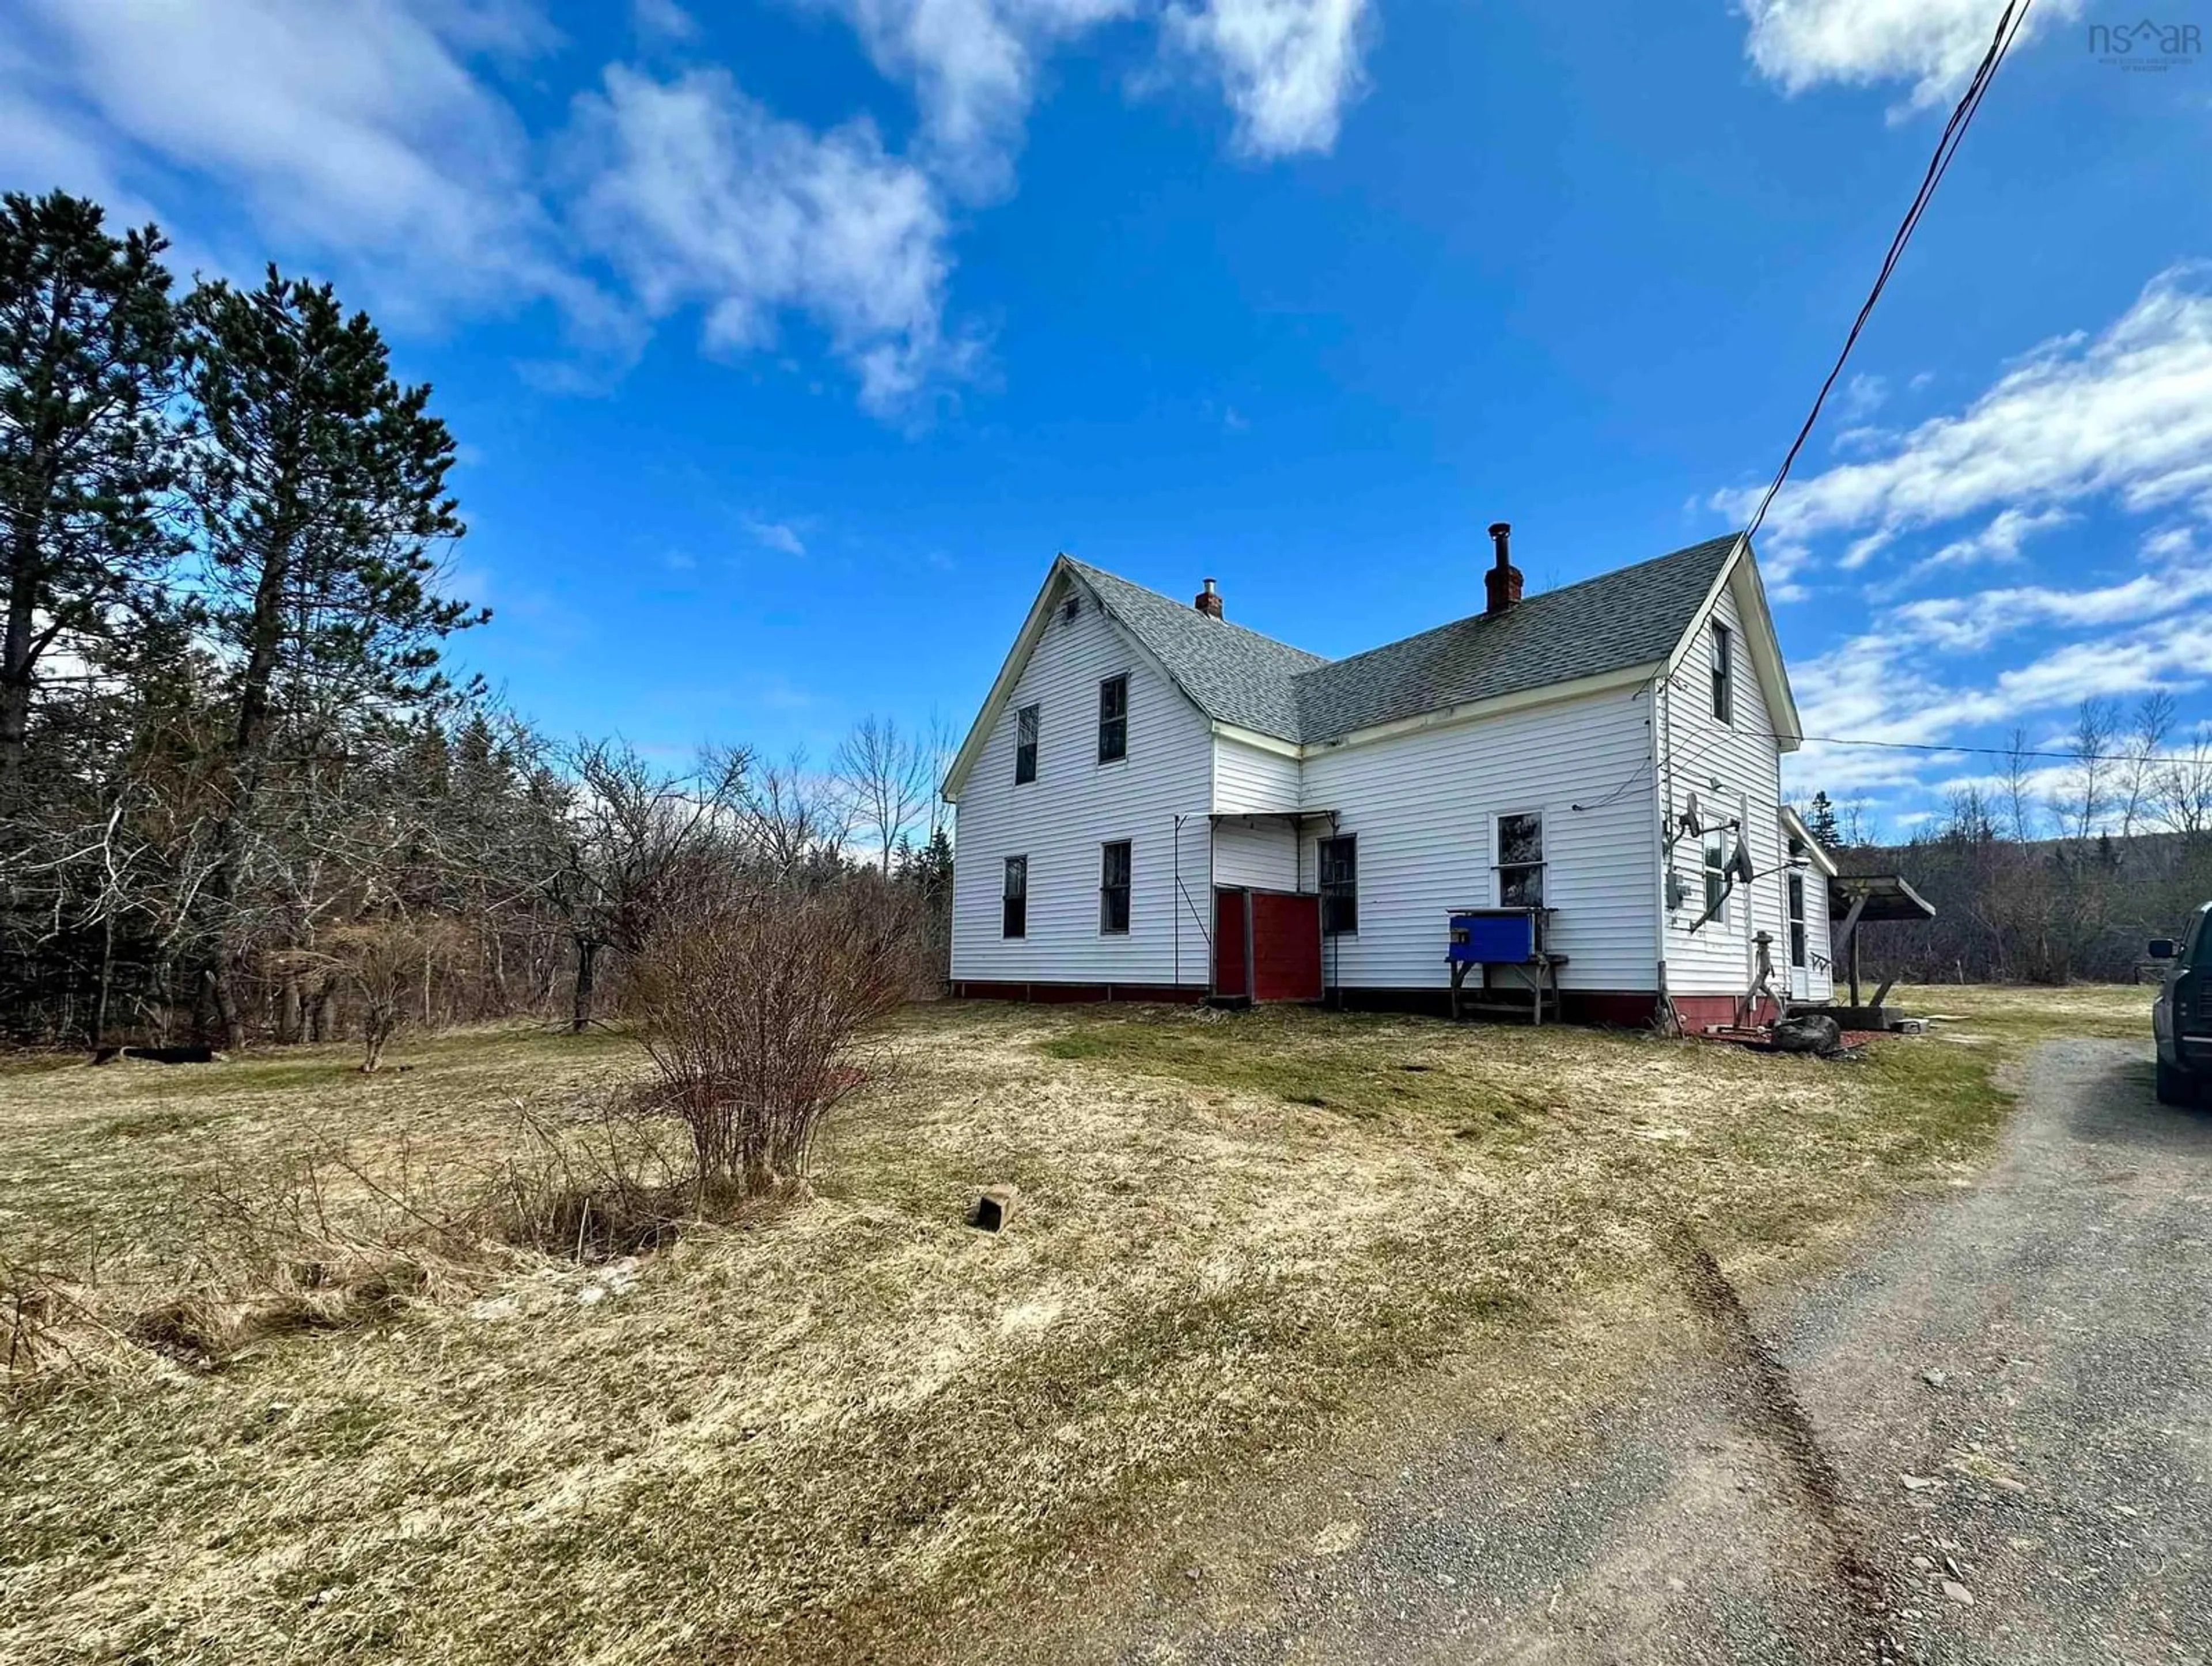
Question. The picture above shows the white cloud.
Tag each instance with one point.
(1998, 542)
(1891, 685)
(369, 141)
(1932, 44)
(1970, 623)
(2171, 543)
(1289, 68)
(352, 129)
(1862, 397)
(662, 20)
(777, 535)
(1886, 686)
(2127, 414)
(974, 65)
(698, 194)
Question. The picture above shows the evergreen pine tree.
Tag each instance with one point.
(1820, 822)
(88, 358)
(320, 502)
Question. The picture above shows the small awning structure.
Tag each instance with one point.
(1876, 897)
(1857, 899)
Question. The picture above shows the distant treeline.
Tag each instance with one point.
(2044, 876)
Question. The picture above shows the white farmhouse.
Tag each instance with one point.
(1157, 803)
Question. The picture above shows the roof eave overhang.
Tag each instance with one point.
(1002, 687)
(1257, 738)
(1018, 659)
(1444, 717)
(1752, 613)
(1795, 826)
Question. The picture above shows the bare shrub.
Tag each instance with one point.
(321, 1244)
(38, 1299)
(754, 999)
(387, 960)
(616, 1186)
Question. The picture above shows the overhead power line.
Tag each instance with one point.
(1947, 147)
(1938, 746)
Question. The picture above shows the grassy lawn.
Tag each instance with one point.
(2003, 1013)
(836, 1429)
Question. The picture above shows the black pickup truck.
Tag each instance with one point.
(2182, 1019)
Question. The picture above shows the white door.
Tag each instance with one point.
(1794, 937)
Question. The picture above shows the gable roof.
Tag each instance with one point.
(1629, 618)
(1231, 674)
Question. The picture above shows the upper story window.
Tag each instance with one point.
(1340, 887)
(1724, 672)
(1014, 900)
(1521, 860)
(1026, 745)
(1113, 719)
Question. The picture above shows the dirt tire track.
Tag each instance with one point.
(1775, 1415)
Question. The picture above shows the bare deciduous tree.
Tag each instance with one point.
(386, 960)
(2082, 803)
(2018, 791)
(625, 830)
(2185, 789)
(884, 775)
(2141, 759)
(792, 818)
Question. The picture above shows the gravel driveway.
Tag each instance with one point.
(1989, 1439)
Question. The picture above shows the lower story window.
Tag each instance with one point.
(1114, 887)
(1798, 919)
(1717, 885)
(1521, 860)
(1014, 903)
(1340, 887)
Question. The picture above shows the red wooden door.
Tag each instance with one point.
(1286, 946)
(1229, 925)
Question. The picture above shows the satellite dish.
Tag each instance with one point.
(1690, 812)
(1741, 863)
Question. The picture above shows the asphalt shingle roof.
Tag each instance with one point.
(1237, 676)
(1625, 617)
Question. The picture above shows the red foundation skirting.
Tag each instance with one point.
(1623, 1008)
(1042, 991)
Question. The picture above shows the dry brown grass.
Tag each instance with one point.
(826, 1428)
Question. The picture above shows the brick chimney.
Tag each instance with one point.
(1208, 601)
(1502, 582)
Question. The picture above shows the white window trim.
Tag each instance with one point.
(1706, 868)
(1543, 815)
(1037, 762)
(1797, 920)
(1129, 704)
(1129, 930)
(1321, 839)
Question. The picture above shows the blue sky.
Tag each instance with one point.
(786, 341)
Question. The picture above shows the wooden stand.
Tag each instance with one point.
(1542, 973)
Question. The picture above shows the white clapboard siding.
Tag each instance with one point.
(1421, 807)
(1258, 851)
(1247, 778)
(1060, 821)
(1698, 751)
